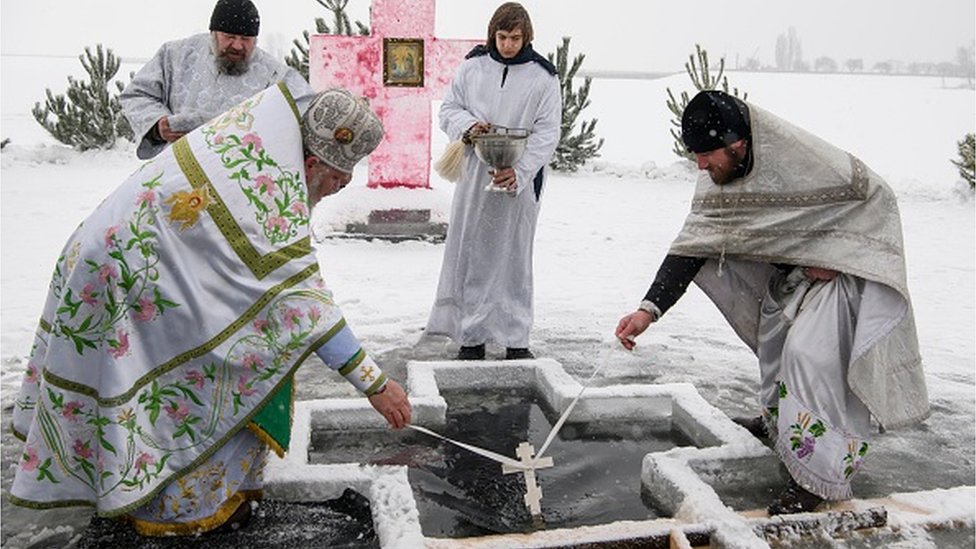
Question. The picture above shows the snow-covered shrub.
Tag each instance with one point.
(573, 150)
(88, 116)
(967, 162)
(298, 59)
(702, 80)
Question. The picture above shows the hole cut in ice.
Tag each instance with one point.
(596, 478)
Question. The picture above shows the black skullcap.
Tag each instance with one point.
(235, 17)
(712, 120)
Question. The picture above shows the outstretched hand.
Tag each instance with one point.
(632, 326)
(392, 404)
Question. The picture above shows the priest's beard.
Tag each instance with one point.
(231, 62)
(733, 169)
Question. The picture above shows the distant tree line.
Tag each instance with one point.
(789, 58)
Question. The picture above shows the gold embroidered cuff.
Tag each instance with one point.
(364, 374)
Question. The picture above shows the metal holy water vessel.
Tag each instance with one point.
(500, 147)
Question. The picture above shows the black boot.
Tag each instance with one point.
(516, 353)
(474, 352)
(755, 425)
(794, 499)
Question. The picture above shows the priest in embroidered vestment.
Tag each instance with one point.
(178, 312)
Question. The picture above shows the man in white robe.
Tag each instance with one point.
(162, 368)
(485, 289)
(192, 80)
(799, 244)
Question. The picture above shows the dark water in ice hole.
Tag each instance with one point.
(595, 478)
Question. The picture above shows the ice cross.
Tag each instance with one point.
(378, 67)
(533, 494)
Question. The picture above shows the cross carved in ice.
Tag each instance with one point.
(533, 494)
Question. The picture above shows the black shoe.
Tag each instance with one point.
(755, 425)
(794, 499)
(475, 352)
(516, 353)
(237, 520)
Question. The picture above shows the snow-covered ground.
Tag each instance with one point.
(602, 232)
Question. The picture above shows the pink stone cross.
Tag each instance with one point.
(357, 63)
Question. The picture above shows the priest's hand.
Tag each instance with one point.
(632, 326)
(392, 404)
(816, 273)
(477, 128)
(504, 178)
(165, 132)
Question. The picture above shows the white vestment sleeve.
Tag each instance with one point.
(144, 103)
(544, 136)
(454, 118)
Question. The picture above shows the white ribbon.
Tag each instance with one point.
(480, 451)
(562, 419)
(552, 433)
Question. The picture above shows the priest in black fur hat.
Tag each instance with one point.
(799, 244)
(191, 80)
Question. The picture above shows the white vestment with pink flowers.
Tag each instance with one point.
(176, 316)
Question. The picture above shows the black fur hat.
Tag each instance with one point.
(712, 120)
(235, 17)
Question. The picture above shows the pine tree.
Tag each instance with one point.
(967, 159)
(298, 59)
(89, 116)
(573, 150)
(702, 80)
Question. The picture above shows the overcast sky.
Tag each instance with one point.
(630, 35)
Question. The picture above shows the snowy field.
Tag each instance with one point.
(602, 232)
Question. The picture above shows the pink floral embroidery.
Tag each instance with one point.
(252, 139)
(144, 460)
(259, 325)
(121, 346)
(146, 310)
(110, 236)
(196, 378)
(299, 208)
(265, 184)
(314, 314)
(146, 198)
(277, 222)
(293, 316)
(106, 272)
(242, 387)
(29, 459)
(88, 294)
(71, 410)
(219, 139)
(82, 450)
(253, 361)
(178, 411)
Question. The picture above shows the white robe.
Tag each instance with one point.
(182, 82)
(485, 289)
